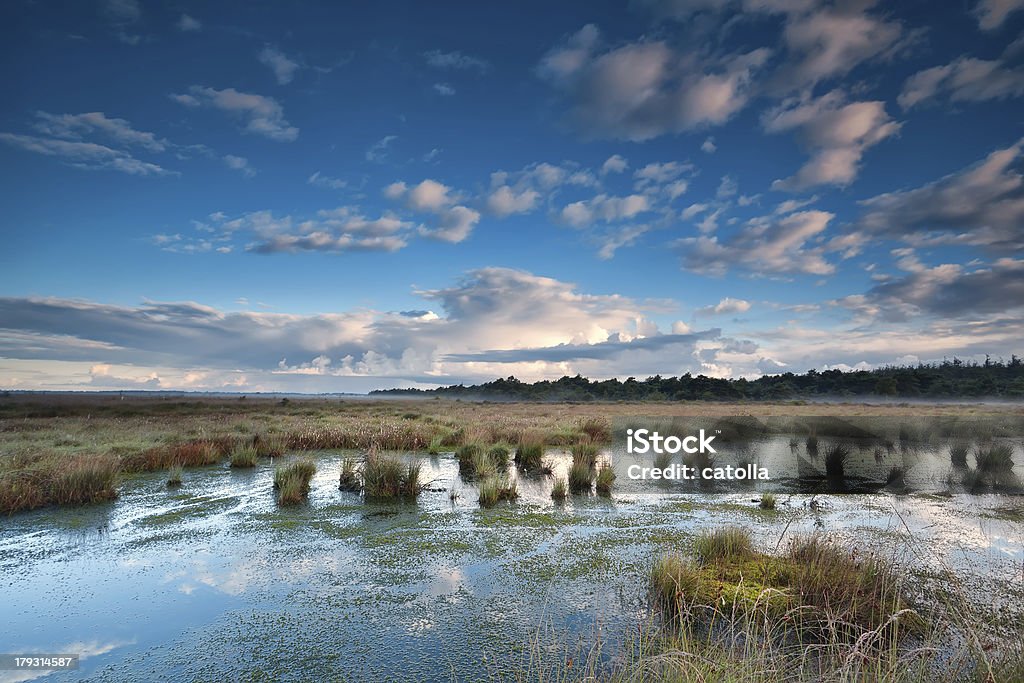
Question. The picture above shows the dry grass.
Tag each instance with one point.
(386, 477)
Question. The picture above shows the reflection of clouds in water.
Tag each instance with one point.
(252, 572)
(84, 650)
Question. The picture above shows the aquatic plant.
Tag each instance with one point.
(244, 456)
(996, 458)
(529, 456)
(581, 478)
(585, 453)
(499, 454)
(483, 465)
(348, 480)
(836, 457)
(495, 489)
(174, 476)
(559, 490)
(292, 481)
(597, 429)
(958, 454)
(767, 501)
(467, 455)
(605, 479)
(386, 477)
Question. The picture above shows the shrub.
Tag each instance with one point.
(605, 479)
(495, 489)
(581, 478)
(244, 456)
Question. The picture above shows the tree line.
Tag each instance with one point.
(954, 378)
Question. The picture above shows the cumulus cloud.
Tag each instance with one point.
(604, 208)
(284, 67)
(964, 80)
(261, 115)
(837, 131)
(454, 222)
(726, 305)
(85, 155)
(764, 245)
(614, 164)
(982, 205)
(505, 201)
(444, 89)
(641, 90)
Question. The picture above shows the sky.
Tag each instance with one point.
(339, 197)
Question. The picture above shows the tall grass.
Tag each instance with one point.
(174, 476)
(559, 490)
(958, 454)
(33, 481)
(836, 457)
(723, 543)
(605, 479)
(348, 480)
(386, 477)
(997, 458)
(529, 456)
(581, 478)
(292, 481)
(597, 429)
(495, 489)
(585, 453)
(244, 456)
(767, 501)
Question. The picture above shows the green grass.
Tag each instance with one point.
(721, 544)
(767, 501)
(31, 481)
(494, 489)
(529, 456)
(174, 476)
(292, 481)
(436, 445)
(386, 477)
(585, 453)
(605, 479)
(559, 490)
(500, 455)
(581, 478)
(244, 456)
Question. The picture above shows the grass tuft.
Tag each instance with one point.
(836, 457)
(581, 478)
(494, 489)
(244, 456)
(559, 490)
(721, 544)
(767, 501)
(348, 480)
(997, 458)
(292, 481)
(529, 456)
(585, 453)
(605, 479)
(958, 454)
(386, 477)
(174, 476)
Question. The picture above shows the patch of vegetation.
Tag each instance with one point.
(997, 458)
(292, 481)
(495, 489)
(529, 456)
(244, 456)
(836, 457)
(559, 490)
(585, 453)
(174, 477)
(386, 477)
(767, 501)
(605, 479)
(723, 544)
(581, 478)
(348, 480)
(958, 454)
(33, 481)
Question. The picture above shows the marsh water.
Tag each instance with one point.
(213, 581)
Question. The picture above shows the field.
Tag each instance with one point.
(310, 539)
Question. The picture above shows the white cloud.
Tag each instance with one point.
(726, 305)
(992, 13)
(85, 155)
(262, 115)
(505, 201)
(284, 67)
(604, 208)
(320, 180)
(378, 151)
(122, 11)
(75, 126)
(239, 164)
(964, 80)
(641, 90)
(764, 246)
(187, 23)
(444, 89)
(838, 133)
(708, 146)
(454, 222)
(614, 164)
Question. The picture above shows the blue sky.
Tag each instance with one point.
(322, 197)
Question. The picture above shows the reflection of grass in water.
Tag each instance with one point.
(998, 458)
(958, 454)
(836, 457)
